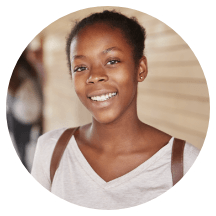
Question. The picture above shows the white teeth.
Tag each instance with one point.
(103, 97)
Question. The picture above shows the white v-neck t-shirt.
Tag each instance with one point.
(76, 181)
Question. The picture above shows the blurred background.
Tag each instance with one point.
(173, 98)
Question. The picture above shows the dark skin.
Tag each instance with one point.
(116, 142)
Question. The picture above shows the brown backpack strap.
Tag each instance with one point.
(177, 160)
(59, 150)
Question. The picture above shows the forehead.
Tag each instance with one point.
(99, 36)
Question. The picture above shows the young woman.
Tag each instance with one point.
(117, 161)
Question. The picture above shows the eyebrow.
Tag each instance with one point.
(110, 49)
(104, 52)
(78, 57)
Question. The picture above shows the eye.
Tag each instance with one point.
(112, 62)
(79, 69)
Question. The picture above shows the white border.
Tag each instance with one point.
(140, 8)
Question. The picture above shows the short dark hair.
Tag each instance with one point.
(134, 33)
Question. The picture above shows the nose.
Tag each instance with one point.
(97, 75)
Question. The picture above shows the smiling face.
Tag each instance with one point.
(104, 72)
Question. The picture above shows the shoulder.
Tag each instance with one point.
(51, 136)
(46, 143)
(43, 154)
(190, 155)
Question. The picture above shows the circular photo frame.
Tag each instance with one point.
(196, 52)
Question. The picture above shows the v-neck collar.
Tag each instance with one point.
(126, 177)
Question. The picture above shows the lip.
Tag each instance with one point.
(103, 104)
(100, 92)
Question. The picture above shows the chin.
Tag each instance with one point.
(105, 118)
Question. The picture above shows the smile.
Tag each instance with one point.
(103, 97)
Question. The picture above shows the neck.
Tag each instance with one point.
(118, 134)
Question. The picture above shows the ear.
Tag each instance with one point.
(142, 69)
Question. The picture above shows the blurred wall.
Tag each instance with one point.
(173, 98)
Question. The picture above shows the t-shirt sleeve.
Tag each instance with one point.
(190, 155)
(43, 154)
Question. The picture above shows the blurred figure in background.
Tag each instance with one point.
(24, 106)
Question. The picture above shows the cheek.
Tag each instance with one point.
(79, 86)
(127, 80)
